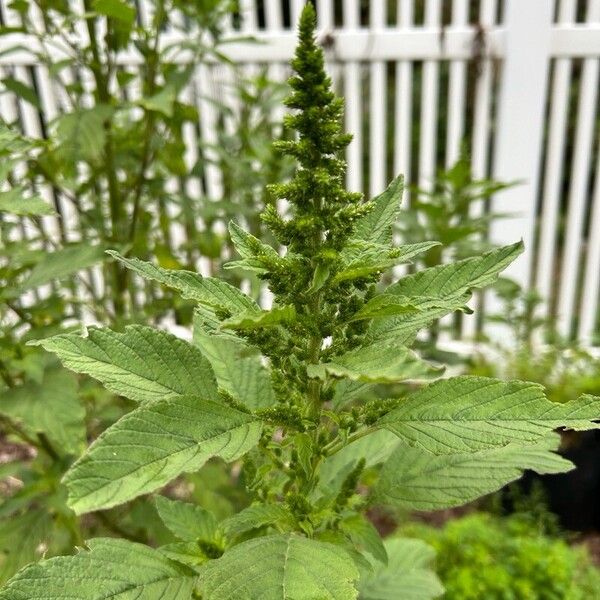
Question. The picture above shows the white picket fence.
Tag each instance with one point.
(516, 80)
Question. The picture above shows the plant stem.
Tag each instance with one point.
(150, 89)
(338, 445)
(5, 373)
(116, 207)
(47, 446)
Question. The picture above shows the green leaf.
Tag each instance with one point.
(320, 278)
(208, 291)
(374, 448)
(141, 363)
(162, 102)
(408, 574)
(51, 407)
(402, 329)
(389, 363)
(21, 537)
(81, 135)
(63, 263)
(415, 479)
(111, 568)
(186, 553)
(366, 259)
(304, 446)
(152, 445)
(450, 284)
(455, 279)
(255, 517)
(467, 414)
(239, 370)
(347, 391)
(15, 202)
(363, 534)
(186, 521)
(116, 9)
(248, 246)
(250, 320)
(22, 91)
(280, 567)
(256, 256)
(385, 305)
(206, 322)
(376, 226)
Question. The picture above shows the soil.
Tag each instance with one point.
(592, 542)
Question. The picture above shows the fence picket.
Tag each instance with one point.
(579, 181)
(481, 135)
(377, 109)
(554, 169)
(456, 91)
(590, 305)
(353, 95)
(429, 100)
(519, 129)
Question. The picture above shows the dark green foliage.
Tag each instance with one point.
(103, 173)
(453, 212)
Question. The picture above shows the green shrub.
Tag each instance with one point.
(481, 556)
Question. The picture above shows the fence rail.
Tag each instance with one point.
(516, 81)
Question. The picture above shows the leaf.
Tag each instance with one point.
(162, 102)
(15, 202)
(280, 567)
(402, 329)
(186, 553)
(206, 322)
(239, 370)
(63, 263)
(466, 414)
(384, 305)
(141, 363)
(255, 517)
(455, 279)
(374, 448)
(116, 9)
(256, 255)
(22, 91)
(415, 479)
(320, 277)
(449, 283)
(389, 363)
(81, 135)
(347, 391)
(376, 226)
(363, 534)
(368, 259)
(51, 407)
(248, 246)
(112, 568)
(152, 445)
(408, 574)
(21, 537)
(304, 446)
(204, 290)
(250, 320)
(186, 521)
